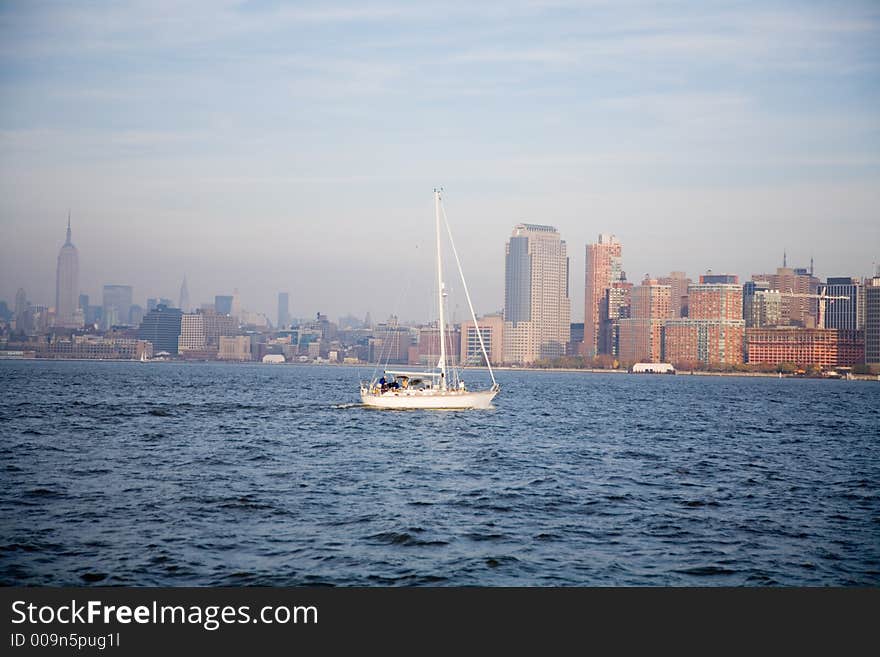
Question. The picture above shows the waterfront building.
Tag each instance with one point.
(714, 342)
(116, 305)
(217, 326)
(850, 347)
(796, 311)
(161, 326)
(537, 307)
(200, 333)
(847, 313)
(603, 267)
(641, 336)
(804, 346)
(96, 347)
(192, 333)
(237, 347)
(678, 283)
(67, 313)
(284, 310)
(872, 321)
(761, 305)
(713, 332)
(491, 327)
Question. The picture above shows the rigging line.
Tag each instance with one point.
(386, 341)
(467, 295)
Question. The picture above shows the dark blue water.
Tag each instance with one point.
(198, 474)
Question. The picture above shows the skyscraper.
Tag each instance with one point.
(640, 338)
(847, 313)
(21, 308)
(713, 331)
(161, 326)
(537, 307)
(223, 304)
(678, 282)
(117, 305)
(796, 311)
(67, 286)
(761, 305)
(872, 321)
(235, 310)
(616, 305)
(603, 267)
(283, 310)
(184, 297)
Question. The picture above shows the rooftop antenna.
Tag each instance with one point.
(811, 265)
(68, 227)
(784, 259)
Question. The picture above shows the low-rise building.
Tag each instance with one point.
(235, 348)
(804, 346)
(491, 328)
(98, 348)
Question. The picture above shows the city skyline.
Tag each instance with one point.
(209, 297)
(774, 319)
(284, 145)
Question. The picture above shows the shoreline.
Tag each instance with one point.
(500, 368)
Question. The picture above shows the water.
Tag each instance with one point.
(215, 475)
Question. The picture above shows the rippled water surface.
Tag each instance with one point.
(208, 474)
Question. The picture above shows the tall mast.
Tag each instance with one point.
(440, 291)
(468, 297)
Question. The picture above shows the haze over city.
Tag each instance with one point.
(265, 147)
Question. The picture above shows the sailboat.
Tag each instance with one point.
(433, 389)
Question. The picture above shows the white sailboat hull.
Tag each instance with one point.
(431, 399)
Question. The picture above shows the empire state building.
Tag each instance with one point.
(67, 314)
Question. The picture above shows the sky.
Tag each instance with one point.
(274, 146)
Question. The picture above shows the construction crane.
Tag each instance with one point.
(822, 297)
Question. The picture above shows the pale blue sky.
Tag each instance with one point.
(294, 146)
